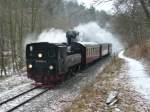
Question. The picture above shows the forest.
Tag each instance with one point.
(18, 18)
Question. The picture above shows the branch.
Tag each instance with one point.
(145, 9)
(98, 2)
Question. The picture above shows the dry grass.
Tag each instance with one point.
(139, 51)
(93, 96)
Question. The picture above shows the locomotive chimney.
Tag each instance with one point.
(71, 36)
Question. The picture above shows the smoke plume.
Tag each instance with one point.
(52, 36)
(90, 32)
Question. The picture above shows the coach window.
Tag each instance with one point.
(97, 51)
(91, 52)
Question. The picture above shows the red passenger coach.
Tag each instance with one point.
(93, 51)
(105, 49)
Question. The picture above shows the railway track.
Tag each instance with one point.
(3, 104)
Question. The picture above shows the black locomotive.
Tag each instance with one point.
(48, 63)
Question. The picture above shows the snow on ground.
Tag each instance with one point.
(54, 100)
(13, 81)
(57, 99)
(130, 99)
(138, 77)
(14, 85)
(13, 103)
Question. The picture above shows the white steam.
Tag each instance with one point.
(90, 32)
(52, 36)
(30, 38)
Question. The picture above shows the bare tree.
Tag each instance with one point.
(145, 8)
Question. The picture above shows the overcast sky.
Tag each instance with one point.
(107, 6)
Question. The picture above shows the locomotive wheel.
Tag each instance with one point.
(68, 74)
(78, 68)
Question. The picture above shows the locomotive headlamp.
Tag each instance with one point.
(40, 55)
(51, 67)
(30, 66)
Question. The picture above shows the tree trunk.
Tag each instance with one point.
(143, 4)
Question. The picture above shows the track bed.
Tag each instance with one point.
(17, 101)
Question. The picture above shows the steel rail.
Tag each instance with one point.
(10, 99)
(10, 110)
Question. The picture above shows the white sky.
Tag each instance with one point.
(107, 6)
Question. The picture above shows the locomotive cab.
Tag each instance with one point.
(45, 60)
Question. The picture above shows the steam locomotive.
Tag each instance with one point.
(49, 63)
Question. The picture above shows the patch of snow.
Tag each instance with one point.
(112, 98)
(13, 81)
(17, 101)
(54, 100)
(62, 96)
(140, 79)
(20, 87)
